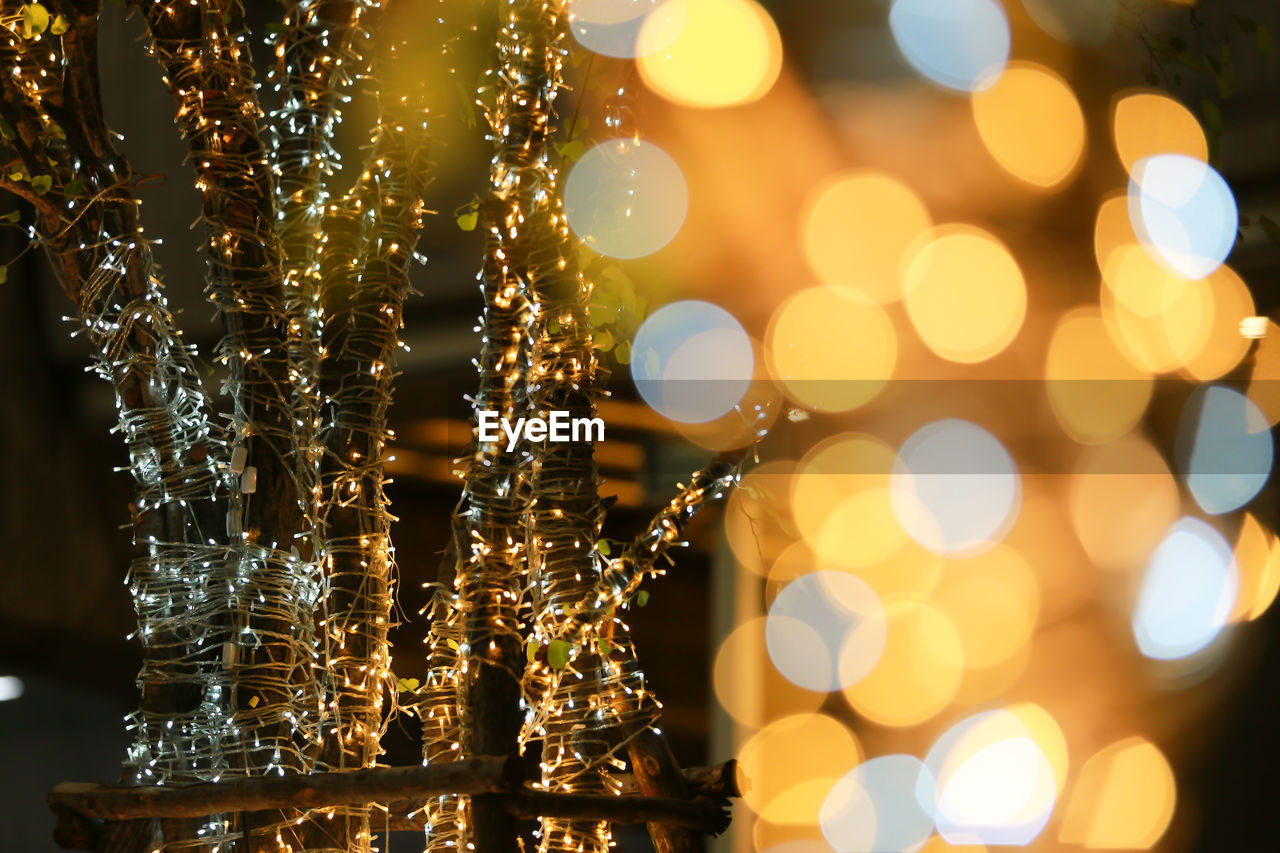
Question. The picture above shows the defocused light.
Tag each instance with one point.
(691, 361)
(840, 501)
(825, 631)
(855, 229)
(789, 765)
(965, 294)
(625, 198)
(960, 44)
(1143, 286)
(873, 808)
(1095, 392)
(910, 574)
(612, 27)
(1259, 571)
(993, 601)
(11, 687)
(1146, 124)
(1230, 448)
(1083, 22)
(994, 783)
(750, 690)
(1123, 799)
(1223, 345)
(727, 52)
(1187, 592)
(1122, 501)
(955, 489)
(1184, 212)
(831, 350)
(757, 520)
(1165, 341)
(1031, 123)
(919, 671)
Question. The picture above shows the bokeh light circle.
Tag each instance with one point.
(750, 690)
(955, 489)
(919, 671)
(1124, 798)
(825, 630)
(1096, 393)
(1225, 448)
(788, 766)
(874, 808)
(830, 350)
(726, 52)
(1032, 124)
(692, 361)
(855, 229)
(612, 27)
(1122, 499)
(959, 44)
(965, 294)
(1187, 593)
(1258, 570)
(993, 600)
(1184, 213)
(1144, 124)
(625, 198)
(991, 778)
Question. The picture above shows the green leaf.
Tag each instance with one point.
(531, 651)
(407, 685)
(59, 25)
(35, 20)
(41, 184)
(75, 186)
(622, 352)
(12, 217)
(642, 598)
(4, 274)
(602, 340)
(17, 175)
(604, 646)
(467, 220)
(451, 643)
(572, 150)
(1263, 35)
(274, 27)
(558, 654)
(6, 130)
(603, 547)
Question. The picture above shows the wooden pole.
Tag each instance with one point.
(481, 775)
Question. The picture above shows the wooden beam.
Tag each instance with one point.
(481, 775)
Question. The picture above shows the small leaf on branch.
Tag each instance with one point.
(602, 340)
(12, 217)
(531, 652)
(622, 352)
(41, 184)
(75, 186)
(6, 130)
(604, 646)
(4, 274)
(558, 654)
(35, 20)
(451, 643)
(642, 598)
(59, 25)
(603, 547)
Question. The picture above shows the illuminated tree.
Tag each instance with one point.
(264, 573)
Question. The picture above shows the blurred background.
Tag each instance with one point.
(1000, 276)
